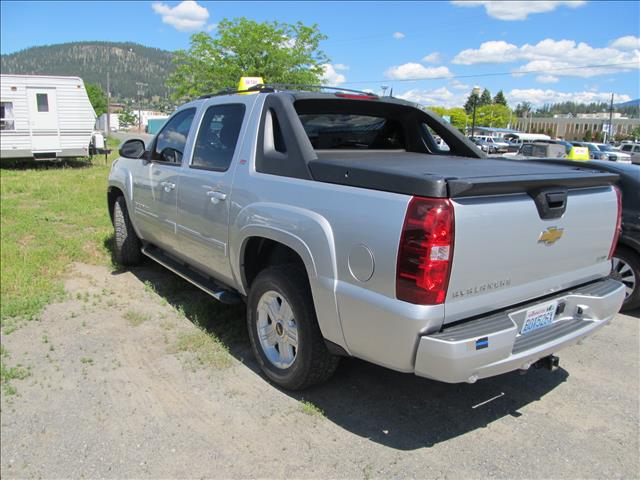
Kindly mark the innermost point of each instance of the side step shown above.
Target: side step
(204, 283)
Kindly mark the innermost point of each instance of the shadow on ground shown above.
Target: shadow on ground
(398, 410)
(31, 164)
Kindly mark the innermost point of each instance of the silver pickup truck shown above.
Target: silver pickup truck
(348, 231)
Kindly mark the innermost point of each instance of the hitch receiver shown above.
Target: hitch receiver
(550, 362)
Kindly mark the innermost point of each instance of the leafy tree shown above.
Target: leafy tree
(277, 52)
(127, 118)
(458, 116)
(472, 99)
(485, 98)
(97, 97)
(522, 109)
(493, 116)
(588, 136)
(500, 99)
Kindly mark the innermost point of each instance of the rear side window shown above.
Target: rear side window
(349, 131)
(218, 137)
(171, 141)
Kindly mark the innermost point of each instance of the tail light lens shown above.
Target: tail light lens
(425, 252)
(616, 233)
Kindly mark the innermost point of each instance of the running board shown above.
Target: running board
(203, 283)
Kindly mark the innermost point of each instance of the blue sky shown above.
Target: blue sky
(432, 52)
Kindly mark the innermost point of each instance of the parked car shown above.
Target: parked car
(633, 150)
(347, 231)
(613, 154)
(485, 146)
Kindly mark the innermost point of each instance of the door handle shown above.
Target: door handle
(216, 197)
(168, 186)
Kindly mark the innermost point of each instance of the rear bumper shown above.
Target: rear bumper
(454, 354)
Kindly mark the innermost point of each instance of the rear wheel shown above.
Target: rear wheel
(625, 267)
(284, 332)
(127, 245)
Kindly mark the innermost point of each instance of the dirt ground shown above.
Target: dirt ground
(119, 387)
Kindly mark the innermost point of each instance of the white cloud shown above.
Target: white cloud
(516, 10)
(340, 66)
(331, 77)
(436, 97)
(538, 96)
(398, 35)
(187, 16)
(557, 55)
(415, 71)
(460, 86)
(547, 79)
(432, 58)
(628, 42)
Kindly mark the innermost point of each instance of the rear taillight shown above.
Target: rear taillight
(616, 233)
(425, 252)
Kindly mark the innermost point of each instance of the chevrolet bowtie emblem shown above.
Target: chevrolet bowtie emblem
(551, 235)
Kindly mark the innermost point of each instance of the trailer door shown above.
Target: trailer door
(43, 120)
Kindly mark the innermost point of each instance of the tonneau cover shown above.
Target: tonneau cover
(446, 175)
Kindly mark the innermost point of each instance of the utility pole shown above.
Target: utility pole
(610, 132)
(140, 92)
(108, 106)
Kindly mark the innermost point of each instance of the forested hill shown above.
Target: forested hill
(127, 63)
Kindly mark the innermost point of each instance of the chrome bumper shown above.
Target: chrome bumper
(491, 345)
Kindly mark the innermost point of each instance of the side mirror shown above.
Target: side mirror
(132, 148)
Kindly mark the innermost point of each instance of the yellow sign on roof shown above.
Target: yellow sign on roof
(247, 82)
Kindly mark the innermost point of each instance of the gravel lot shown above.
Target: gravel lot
(109, 396)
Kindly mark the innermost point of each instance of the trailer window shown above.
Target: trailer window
(42, 99)
(6, 116)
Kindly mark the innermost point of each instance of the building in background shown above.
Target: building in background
(575, 128)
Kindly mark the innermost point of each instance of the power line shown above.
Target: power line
(494, 74)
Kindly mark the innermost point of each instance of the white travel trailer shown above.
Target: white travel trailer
(44, 117)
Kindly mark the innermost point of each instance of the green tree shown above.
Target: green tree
(522, 109)
(97, 97)
(472, 99)
(485, 98)
(127, 118)
(588, 136)
(500, 99)
(277, 52)
(458, 116)
(493, 116)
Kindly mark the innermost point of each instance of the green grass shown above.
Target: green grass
(136, 318)
(310, 409)
(50, 217)
(10, 373)
(208, 350)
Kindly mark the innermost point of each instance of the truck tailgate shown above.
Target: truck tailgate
(505, 253)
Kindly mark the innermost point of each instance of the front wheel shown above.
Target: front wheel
(127, 245)
(625, 267)
(284, 332)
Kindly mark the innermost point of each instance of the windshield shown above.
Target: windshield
(605, 148)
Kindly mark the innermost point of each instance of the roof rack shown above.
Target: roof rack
(274, 87)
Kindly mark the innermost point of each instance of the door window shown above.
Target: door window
(6, 116)
(218, 137)
(171, 141)
(42, 100)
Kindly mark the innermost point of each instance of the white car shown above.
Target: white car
(633, 150)
(613, 154)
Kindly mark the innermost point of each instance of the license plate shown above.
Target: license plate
(538, 317)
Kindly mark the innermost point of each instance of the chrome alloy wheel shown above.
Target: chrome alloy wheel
(622, 271)
(277, 329)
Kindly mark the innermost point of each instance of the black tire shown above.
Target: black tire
(631, 258)
(127, 245)
(313, 363)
